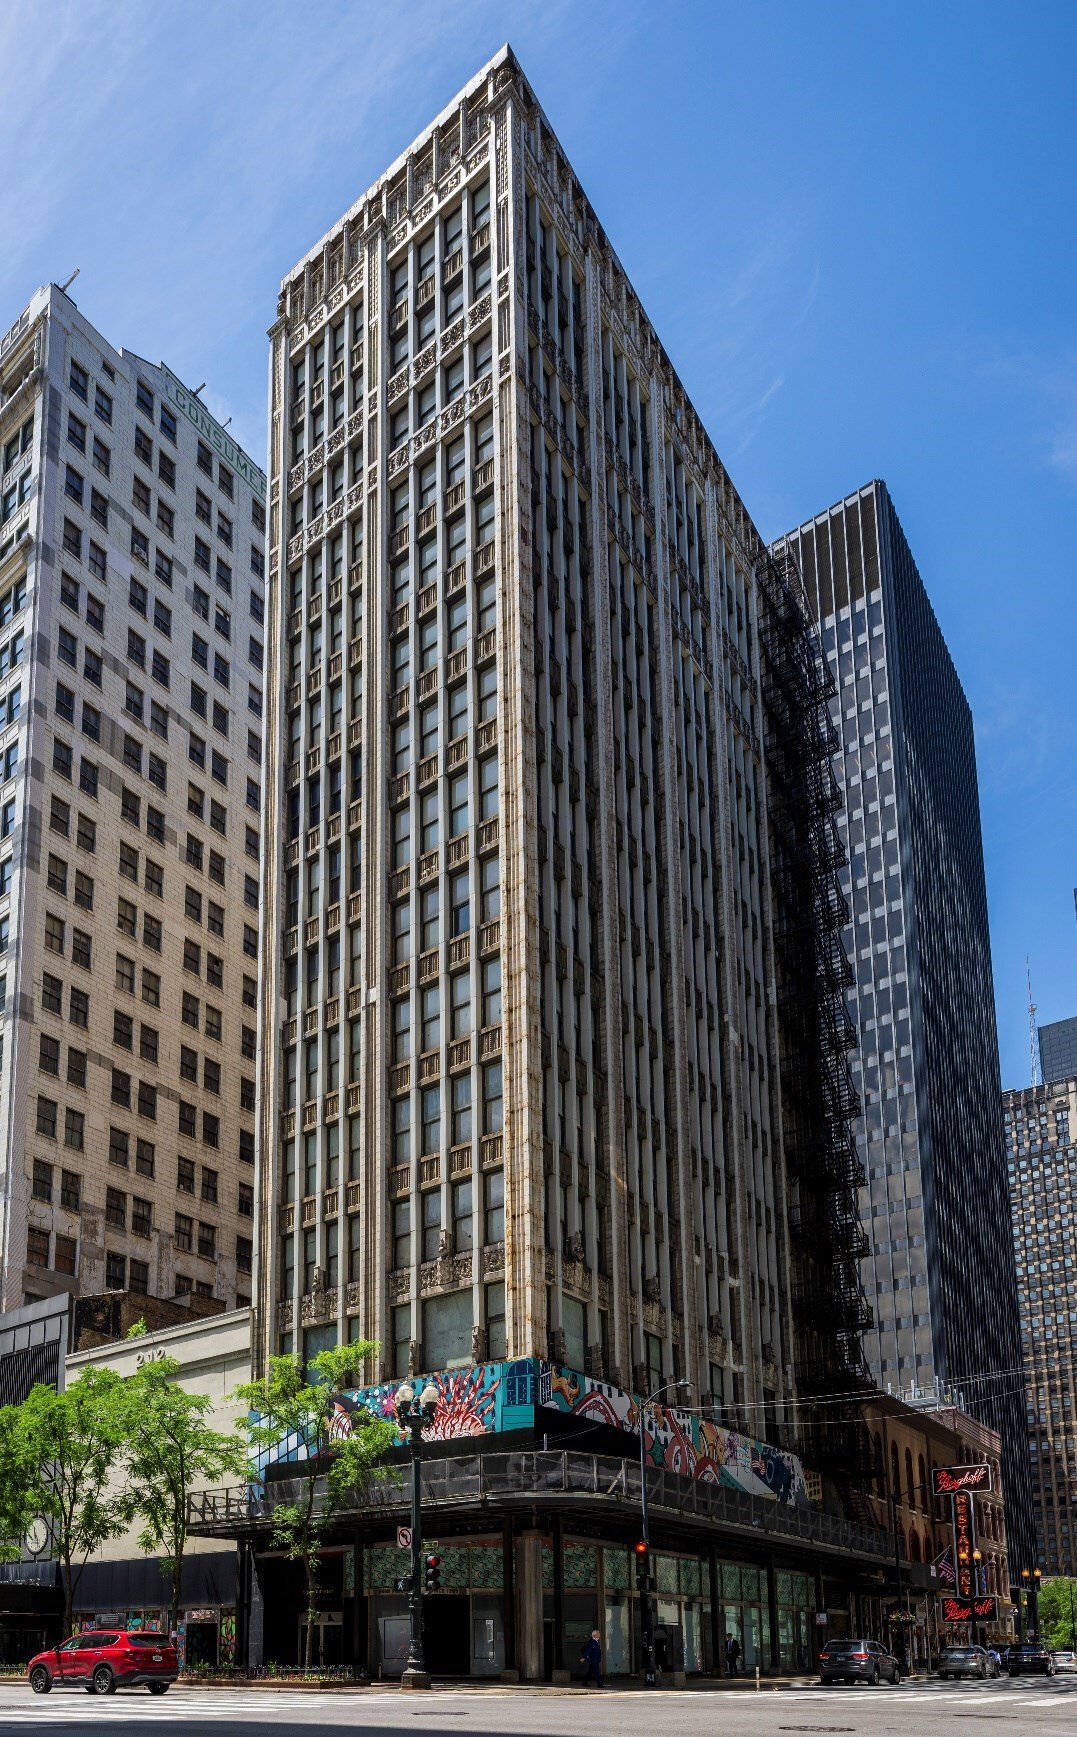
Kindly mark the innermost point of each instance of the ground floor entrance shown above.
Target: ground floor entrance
(525, 1599)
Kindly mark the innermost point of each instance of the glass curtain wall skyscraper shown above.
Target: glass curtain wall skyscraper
(939, 1268)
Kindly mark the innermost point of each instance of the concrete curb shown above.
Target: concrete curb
(454, 1686)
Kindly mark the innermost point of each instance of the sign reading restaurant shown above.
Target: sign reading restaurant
(211, 431)
(947, 1480)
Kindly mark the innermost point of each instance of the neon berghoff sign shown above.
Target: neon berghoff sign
(233, 455)
(947, 1480)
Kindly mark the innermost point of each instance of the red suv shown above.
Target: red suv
(103, 1660)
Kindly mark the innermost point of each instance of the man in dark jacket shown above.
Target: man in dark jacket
(591, 1656)
(732, 1653)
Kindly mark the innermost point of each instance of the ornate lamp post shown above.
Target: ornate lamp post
(646, 1608)
(977, 1557)
(412, 1412)
(1034, 1606)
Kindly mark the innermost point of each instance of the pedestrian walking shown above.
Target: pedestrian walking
(732, 1655)
(591, 1656)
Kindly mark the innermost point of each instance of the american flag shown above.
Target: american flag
(946, 1568)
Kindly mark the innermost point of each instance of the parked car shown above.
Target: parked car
(1064, 1661)
(857, 1661)
(102, 1661)
(967, 1662)
(1030, 1656)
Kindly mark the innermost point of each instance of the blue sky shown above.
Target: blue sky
(852, 225)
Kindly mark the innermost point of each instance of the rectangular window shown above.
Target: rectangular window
(494, 1206)
(37, 1247)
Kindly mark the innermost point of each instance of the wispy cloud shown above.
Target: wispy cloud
(746, 319)
(1042, 389)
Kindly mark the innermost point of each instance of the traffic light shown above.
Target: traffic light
(403, 1583)
(643, 1563)
(432, 1577)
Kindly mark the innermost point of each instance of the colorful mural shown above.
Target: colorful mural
(493, 1398)
(677, 1440)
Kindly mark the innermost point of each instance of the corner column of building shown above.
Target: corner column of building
(560, 1674)
(511, 1673)
(772, 1612)
(716, 1623)
(359, 1620)
(528, 1623)
(254, 1651)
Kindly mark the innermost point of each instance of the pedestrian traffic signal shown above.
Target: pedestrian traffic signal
(432, 1577)
(403, 1583)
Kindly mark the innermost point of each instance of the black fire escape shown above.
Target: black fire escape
(814, 1031)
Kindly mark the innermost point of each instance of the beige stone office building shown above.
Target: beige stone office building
(523, 974)
(131, 605)
(1041, 1149)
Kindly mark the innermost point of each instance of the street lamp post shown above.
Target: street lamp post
(1030, 1583)
(1022, 1605)
(646, 1609)
(897, 1628)
(413, 1411)
(977, 1557)
(1073, 1624)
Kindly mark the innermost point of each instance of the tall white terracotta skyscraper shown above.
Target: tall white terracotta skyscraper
(533, 685)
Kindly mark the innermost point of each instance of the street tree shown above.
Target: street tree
(16, 1485)
(172, 1448)
(338, 1449)
(60, 1452)
(1057, 1612)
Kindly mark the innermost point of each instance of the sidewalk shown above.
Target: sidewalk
(492, 1686)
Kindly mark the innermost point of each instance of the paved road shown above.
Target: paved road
(915, 1709)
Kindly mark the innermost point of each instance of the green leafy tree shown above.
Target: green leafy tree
(288, 1401)
(171, 1448)
(17, 1478)
(1057, 1606)
(59, 1451)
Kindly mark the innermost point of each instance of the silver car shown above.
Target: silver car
(967, 1662)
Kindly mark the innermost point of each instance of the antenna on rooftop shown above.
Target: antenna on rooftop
(225, 424)
(198, 389)
(1033, 1041)
(71, 279)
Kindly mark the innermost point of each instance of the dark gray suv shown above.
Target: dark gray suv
(857, 1661)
